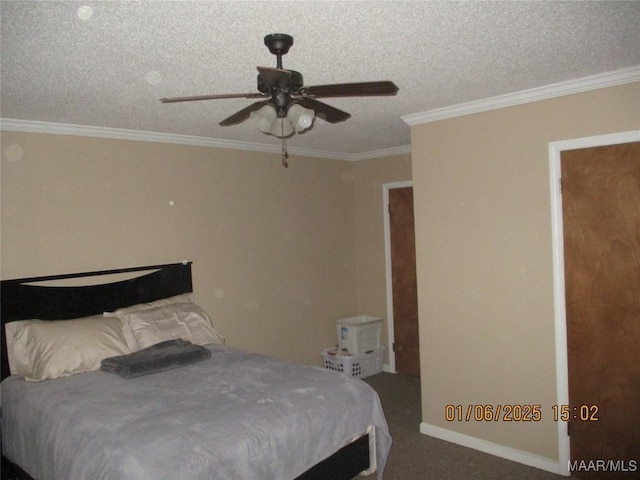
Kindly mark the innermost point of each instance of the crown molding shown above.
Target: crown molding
(594, 82)
(30, 126)
(608, 79)
(387, 152)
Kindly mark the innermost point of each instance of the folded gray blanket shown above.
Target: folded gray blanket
(157, 358)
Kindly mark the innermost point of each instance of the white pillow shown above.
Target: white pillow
(128, 335)
(182, 298)
(167, 322)
(43, 349)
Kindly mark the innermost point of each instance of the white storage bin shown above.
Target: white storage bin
(359, 334)
(359, 366)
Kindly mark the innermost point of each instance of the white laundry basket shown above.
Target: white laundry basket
(359, 334)
(360, 366)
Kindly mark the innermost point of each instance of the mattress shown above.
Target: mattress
(236, 415)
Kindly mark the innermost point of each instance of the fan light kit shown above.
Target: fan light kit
(288, 106)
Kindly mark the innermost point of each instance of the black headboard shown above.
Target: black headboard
(21, 300)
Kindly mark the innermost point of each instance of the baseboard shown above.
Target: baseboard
(386, 368)
(491, 448)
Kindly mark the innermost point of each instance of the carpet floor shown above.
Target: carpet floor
(415, 456)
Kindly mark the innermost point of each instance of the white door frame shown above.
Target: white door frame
(391, 367)
(562, 371)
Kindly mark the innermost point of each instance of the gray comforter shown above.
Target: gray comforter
(234, 416)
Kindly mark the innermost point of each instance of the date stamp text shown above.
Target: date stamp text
(518, 413)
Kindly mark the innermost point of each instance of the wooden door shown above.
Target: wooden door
(601, 214)
(403, 278)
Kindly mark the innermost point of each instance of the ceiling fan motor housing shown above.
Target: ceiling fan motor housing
(296, 83)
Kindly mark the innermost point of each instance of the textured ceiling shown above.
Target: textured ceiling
(106, 64)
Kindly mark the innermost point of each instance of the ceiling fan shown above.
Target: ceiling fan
(286, 105)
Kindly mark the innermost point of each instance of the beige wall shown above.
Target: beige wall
(483, 230)
(370, 176)
(274, 249)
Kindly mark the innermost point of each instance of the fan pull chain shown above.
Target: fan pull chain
(285, 154)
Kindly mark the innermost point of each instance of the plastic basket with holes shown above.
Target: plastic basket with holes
(360, 366)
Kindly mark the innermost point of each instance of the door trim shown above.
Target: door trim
(557, 233)
(391, 367)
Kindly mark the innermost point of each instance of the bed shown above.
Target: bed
(231, 414)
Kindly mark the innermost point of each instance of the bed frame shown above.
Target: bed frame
(27, 298)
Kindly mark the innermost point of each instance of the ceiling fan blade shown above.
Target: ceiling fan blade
(324, 111)
(362, 89)
(275, 77)
(243, 114)
(212, 97)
